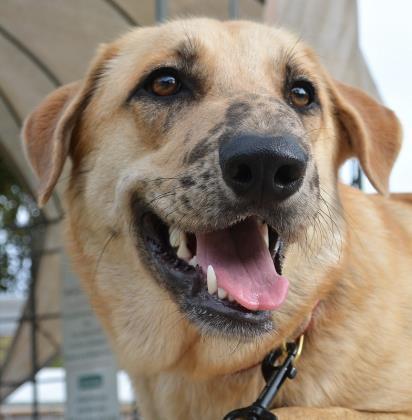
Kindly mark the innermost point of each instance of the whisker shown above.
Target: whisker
(105, 245)
(163, 195)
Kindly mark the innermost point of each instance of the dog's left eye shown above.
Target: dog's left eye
(164, 83)
(301, 94)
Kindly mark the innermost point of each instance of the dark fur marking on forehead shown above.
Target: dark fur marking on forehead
(187, 52)
(188, 55)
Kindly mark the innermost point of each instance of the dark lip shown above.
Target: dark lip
(187, 284)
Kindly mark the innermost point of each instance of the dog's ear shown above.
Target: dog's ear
(369, 131)
(47, 131)
(46, 135)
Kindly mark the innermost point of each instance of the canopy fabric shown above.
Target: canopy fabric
(331, 28)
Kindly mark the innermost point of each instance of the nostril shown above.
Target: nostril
(242, 174)
(287, 175)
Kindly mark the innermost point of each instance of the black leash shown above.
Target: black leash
(274, 376)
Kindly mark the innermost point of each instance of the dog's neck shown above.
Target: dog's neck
(215, 396)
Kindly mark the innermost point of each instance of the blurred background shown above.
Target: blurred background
(54, 358)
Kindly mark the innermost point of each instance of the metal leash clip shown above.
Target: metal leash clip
(274, 376)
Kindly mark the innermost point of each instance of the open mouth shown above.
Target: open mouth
(227, 281)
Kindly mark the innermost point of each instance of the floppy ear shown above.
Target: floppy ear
(47, 131)
(369, 131)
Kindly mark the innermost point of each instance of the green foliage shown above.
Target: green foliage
(18, 212)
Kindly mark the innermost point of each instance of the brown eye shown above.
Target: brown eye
(301, 94)
(165, 85)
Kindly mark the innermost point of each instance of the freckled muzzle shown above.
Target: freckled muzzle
(220, 253)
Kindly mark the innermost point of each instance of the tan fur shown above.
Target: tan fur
(349, 251)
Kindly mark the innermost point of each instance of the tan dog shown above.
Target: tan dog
(223, 140)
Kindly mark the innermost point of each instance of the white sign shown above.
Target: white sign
(91, 372)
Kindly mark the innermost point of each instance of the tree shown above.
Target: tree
(18, 216)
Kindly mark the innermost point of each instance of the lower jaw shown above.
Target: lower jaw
(187, 285)
(214, 318)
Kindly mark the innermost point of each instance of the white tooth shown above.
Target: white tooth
(183, 251)
(193, 261)
(265, 233)
(221, 293)
(277, 245)
(211, 280)
(174, 236)
(231, 298)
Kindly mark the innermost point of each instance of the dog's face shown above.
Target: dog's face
(202, 201)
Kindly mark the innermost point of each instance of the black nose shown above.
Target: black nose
(263, 169)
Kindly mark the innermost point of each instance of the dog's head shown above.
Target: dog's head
(203, 195)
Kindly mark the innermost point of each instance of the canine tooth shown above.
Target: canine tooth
(174, 236)
(264, 230)
(193, 261)
(211, 280)
(221, 293)
(183, 251)
(230, 298)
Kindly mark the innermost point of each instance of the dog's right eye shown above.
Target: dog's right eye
(164, 82)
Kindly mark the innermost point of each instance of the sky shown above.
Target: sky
(385, 30)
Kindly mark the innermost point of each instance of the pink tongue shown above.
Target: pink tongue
(243, 265)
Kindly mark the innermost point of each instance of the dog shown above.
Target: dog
(207, 224)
